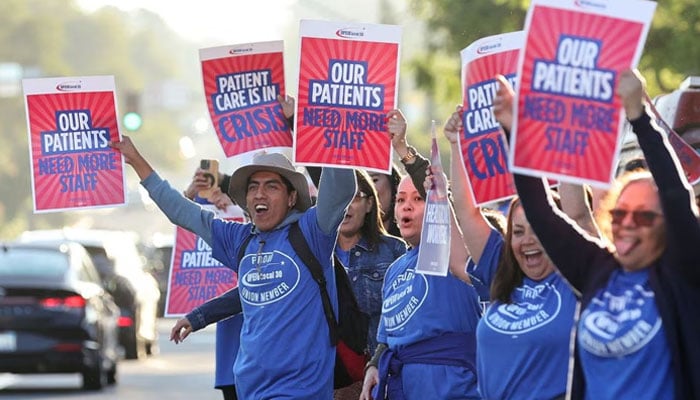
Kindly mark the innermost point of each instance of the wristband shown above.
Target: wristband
(411, 154)
(374, 361)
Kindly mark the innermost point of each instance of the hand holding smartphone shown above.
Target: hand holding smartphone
(211, 173)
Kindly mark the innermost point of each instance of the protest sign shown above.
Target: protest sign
(70, 122)
(241, 85)
(482, 143)
(348, 82)
(434, 249)
(687, 155)
(679, 113)
(569, 121)
(195, 276)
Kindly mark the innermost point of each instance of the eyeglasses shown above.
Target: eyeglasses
(640, 218)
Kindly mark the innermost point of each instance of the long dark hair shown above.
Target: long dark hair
(509, 275)
(394, 180)
(372, 227)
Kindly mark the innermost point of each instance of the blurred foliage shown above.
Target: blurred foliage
(672, 52)
(56, 38)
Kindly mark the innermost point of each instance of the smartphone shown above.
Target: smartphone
(211, 172)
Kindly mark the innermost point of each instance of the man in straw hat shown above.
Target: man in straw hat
(284, 350)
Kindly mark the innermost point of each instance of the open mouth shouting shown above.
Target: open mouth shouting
(260, 209)
(533, 257)
(405, 222)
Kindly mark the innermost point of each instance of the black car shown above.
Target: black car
(55, 317)
(121, 269)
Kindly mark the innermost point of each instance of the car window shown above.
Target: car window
(15, 262)
(103, 264)
(88, 272)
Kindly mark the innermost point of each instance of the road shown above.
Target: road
(185, 371)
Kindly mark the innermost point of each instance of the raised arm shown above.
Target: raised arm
(336, 189)
(416, 165)
(575, 204)
(475, 228)
(682, 229)
(132, 157)
(459, 254)
(179, 210)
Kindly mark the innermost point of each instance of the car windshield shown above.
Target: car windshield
(16, 262)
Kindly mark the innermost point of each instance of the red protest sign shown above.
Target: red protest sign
(569, 120)
(71, 121)
(195, 276)
(483, 146)
(241, 85)
(348, 79)
(689, 158)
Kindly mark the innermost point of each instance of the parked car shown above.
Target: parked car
(55, 316)
(121, 269)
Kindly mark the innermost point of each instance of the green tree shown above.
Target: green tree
(672, 50)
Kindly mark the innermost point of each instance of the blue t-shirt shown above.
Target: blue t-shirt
(622, 344)
(277, 293)
(417, 307)
(228, 333)
(523, 347)
(482, 273)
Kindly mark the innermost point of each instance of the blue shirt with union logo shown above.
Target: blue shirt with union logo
(417, 307)
(277, 293)
(622, 341)
(523, 347)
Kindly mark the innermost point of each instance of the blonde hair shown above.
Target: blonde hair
(602, 214)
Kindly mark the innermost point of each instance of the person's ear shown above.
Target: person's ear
(292, 199)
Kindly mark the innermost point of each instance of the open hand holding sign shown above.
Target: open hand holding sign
(503, 103)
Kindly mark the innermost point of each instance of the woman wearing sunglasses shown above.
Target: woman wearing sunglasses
(638, 332)
(523, 339)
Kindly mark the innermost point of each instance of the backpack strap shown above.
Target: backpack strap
(241, 250)
(301, 247)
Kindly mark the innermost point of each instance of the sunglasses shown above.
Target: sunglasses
(640, 218)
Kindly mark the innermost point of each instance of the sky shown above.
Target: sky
(215, 22)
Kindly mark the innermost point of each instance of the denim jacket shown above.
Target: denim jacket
(366, 269)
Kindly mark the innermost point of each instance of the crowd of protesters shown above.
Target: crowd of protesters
(636, 335)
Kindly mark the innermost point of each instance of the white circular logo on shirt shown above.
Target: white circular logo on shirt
(532, 308)
(273, 276)
(404, 296)
(618, 325)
